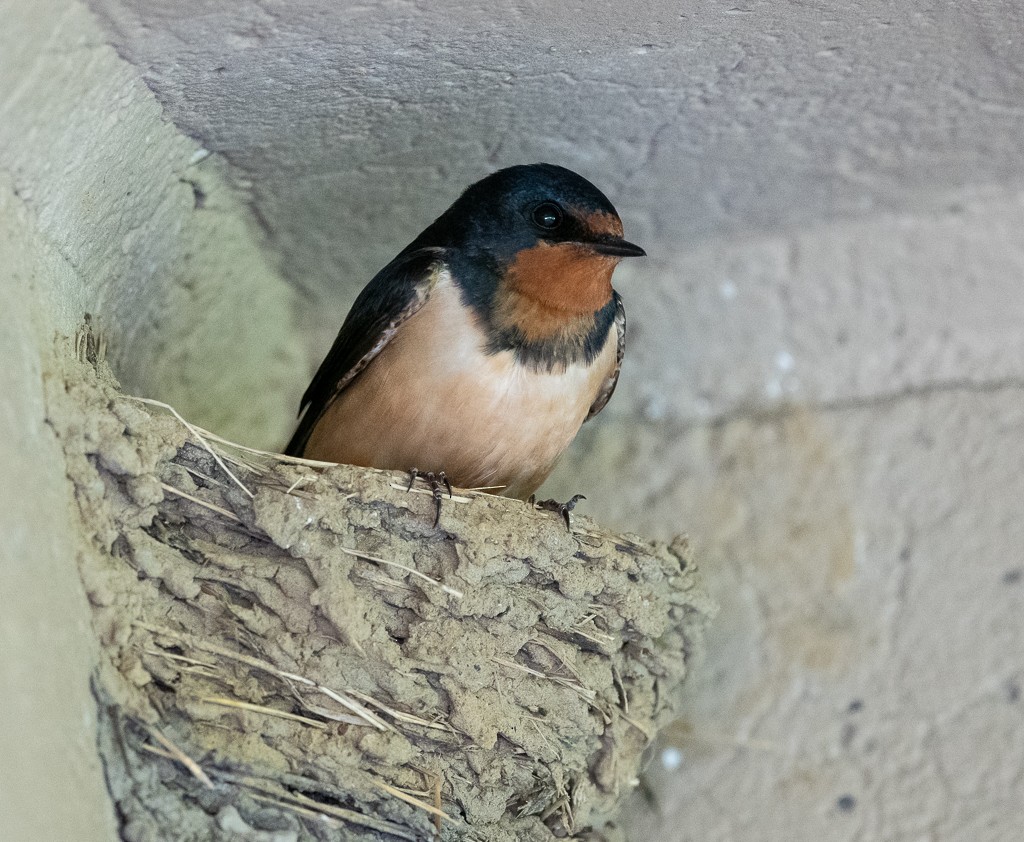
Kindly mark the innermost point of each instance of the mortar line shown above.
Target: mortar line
(857, 402)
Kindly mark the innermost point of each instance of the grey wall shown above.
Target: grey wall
(98, 214)
(824, 378)
(355, 124)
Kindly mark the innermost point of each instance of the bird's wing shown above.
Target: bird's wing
(605, 393)
(396, 293)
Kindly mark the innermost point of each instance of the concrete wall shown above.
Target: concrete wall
(865, 672)
(106, 209)
(51, 785)
(162, 250)
(824, 378)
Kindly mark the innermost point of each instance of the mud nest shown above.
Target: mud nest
(290, 651)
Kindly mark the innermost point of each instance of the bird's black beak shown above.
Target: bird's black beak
(616, 247)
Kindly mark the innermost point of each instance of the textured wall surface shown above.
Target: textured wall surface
(825, 378)
(51, 784)
(161, 250)
(355, 124)
(99, 213)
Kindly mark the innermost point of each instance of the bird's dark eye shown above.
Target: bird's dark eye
(547, 215)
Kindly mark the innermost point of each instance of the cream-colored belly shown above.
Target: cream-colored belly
(434, 401)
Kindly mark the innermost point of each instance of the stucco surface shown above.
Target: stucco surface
(859, 505)
(863, 680)
(51, 784)
(161, 251)
(357, 123)
(824, 382)
(97, 216)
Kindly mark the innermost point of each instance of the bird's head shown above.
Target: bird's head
(521, 207)
(548, 236)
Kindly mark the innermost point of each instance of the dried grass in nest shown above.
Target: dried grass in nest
(305, 654)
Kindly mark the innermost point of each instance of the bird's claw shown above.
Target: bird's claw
(435, 481)
(563, 509)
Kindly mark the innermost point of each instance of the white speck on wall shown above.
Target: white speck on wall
(671, 758)
(784, 383)
(655, 408)
(728, 290)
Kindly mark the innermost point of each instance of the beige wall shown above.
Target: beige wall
(98, 215)
(864, 675)
(51, 784)
(824, 378)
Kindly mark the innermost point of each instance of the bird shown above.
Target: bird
(474, 357)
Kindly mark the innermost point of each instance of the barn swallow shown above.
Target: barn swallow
(474, 356)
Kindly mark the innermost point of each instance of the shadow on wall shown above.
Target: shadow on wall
(162, 251)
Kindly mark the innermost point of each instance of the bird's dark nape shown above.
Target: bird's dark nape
(493, 204)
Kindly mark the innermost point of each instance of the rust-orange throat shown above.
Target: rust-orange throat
(554, 288)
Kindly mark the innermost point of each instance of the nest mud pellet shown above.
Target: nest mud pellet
(294, 652)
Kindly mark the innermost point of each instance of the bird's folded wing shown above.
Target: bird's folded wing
(396, 293)
(605, 394)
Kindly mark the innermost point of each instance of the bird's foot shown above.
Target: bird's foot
(436, 482)
(562, 508)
